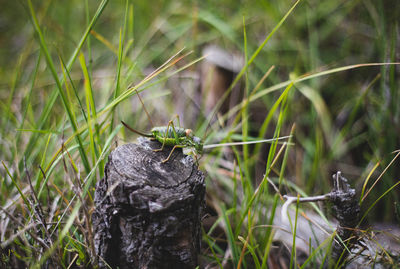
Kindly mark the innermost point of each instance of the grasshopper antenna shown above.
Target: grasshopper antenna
(144, 108)
(135, 131)
(148, 116)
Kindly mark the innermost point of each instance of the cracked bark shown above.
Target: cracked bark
(346, 211)
(148, 213)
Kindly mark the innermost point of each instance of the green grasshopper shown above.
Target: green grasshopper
(184, 138)
(173, 136)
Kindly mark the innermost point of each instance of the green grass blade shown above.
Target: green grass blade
(364, 187)
(380, 176)
(328, 241)
(255, 54)
(249, 62)
(90, 107)
(305, 77)
(75, 210)
(16, 185)
(88, 42)
(64, 100)
(245, 110)
(252, 252)
(294, 231)
(212, 247)
(377, 200)
(53, 96)
(67, 78)
(271, 112)
(219, 24)
(269, 232)
(28, 97)
(230, 236)
(122, 35)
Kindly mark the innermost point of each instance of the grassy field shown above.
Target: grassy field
(324, 72)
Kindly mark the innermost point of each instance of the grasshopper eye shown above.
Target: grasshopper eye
(189, 132)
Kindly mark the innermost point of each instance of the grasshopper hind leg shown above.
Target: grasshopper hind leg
(165, 137)
(160, 149)
(170, 153)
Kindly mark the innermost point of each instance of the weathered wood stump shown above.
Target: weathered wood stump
(148, 213)
(345, 209)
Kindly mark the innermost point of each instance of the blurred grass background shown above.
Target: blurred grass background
(346, 121)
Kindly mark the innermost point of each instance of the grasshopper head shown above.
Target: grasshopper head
(194, 141)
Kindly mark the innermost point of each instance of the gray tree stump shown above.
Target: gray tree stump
(148, 213)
